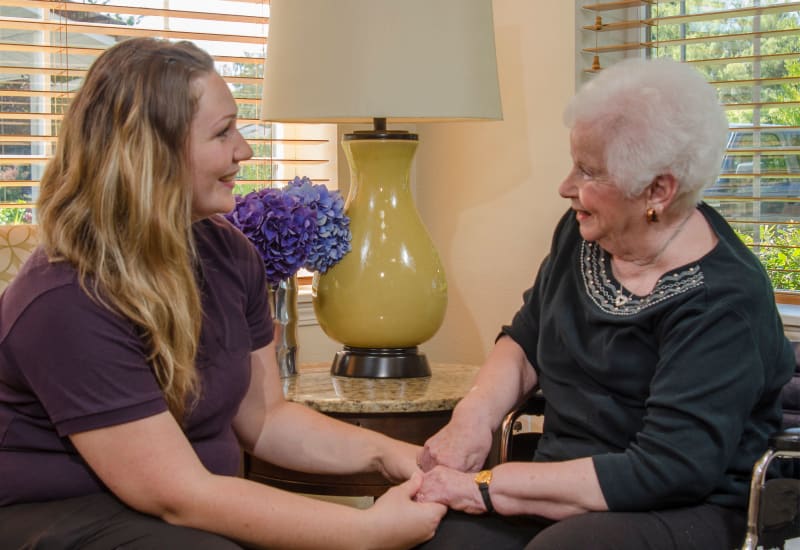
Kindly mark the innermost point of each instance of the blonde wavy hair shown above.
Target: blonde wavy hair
(115, 201)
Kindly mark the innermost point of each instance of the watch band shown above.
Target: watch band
(483, 479)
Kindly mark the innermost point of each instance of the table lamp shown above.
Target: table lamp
(381, 62)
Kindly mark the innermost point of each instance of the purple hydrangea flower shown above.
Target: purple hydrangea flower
(333, 235)
(280, 226)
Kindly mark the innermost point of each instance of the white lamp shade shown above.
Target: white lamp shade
(403, 60)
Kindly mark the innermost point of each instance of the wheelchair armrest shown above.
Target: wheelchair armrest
(782, 444)
(787, 439)
(533, 405)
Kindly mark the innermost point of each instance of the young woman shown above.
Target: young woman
(135, 345)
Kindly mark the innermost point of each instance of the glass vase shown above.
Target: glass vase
(283, 307)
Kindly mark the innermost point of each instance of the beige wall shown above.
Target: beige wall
(487, 191)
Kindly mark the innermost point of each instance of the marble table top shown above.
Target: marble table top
(315, 387)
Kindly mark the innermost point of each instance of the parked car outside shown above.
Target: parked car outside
(776, 182)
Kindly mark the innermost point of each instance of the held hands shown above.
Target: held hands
(461, 446)
(450, 459)
(455, 489)
(399, 461)
(397, 521)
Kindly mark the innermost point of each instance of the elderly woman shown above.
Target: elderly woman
(653, 333)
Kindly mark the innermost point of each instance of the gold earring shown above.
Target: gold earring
(652, 215)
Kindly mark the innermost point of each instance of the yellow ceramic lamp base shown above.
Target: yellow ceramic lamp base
(390, 291)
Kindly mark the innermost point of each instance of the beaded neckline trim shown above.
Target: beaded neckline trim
(612, 298)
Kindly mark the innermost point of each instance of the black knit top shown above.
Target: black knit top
(673, 394)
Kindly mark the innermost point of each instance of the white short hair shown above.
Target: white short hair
(658, 116)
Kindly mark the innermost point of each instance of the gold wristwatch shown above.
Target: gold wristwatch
(483, 479)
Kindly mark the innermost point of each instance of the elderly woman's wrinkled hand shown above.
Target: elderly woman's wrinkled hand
(455, 489)
(458, 446)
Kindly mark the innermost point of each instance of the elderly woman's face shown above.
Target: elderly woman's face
(601, 208)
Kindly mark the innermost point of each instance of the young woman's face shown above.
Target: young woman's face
(603, 211)
(215, 148)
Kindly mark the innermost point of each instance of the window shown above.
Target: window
(750, 51)
(46, 47)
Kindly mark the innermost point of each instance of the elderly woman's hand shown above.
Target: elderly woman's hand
(455, 489)
(459, 445)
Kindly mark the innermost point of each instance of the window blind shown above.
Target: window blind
(46, 47)
(750, 51)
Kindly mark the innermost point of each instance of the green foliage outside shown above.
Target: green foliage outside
(779, 251)
(14, 216)
(735, 48)
(245, 188)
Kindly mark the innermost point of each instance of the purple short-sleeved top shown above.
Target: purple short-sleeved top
(69, 365)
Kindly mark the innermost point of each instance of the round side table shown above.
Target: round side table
(410, 409)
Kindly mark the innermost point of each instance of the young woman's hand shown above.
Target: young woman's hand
(396, 521)
(398, 460)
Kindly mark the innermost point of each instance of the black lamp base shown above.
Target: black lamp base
(380, 363)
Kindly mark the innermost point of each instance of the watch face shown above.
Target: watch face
(484, 476)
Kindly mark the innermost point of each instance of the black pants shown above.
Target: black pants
(96, 522)
(705, 527)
